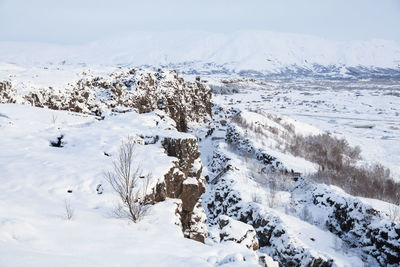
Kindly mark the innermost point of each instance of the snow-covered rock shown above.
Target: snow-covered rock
(184, 181)
(236, 137)
(7, 94)
(352, 220)
(137, 89)
(236, 231)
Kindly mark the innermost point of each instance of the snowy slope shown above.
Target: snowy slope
(35, 177)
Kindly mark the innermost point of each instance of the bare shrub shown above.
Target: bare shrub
(239, 120)
(277, 180)
(272, 194)
(255, 197)
(394, 213)
(54, 118)
(284, 181)
(367, 181)
(68, 212)
(273, 130)
(336, 160)
(325, 150)
(128, 183)
(306, 215)
(257, 128)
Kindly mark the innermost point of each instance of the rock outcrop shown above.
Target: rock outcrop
(137, 89)
(271, 232)
(238, 232)
(355, 222)
(235, 137)
(184, 181)
(7, 94)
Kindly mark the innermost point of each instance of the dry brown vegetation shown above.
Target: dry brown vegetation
(337, 165)
(372, 181)
(329, 152)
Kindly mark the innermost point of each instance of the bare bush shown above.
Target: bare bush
(275, 181)
(68, 212)
(325, 150)
(54, 118)
(256, 198)
(394, 213)
(337, 165)
(367, 181)
(272, 194)
(306, 215)
(290, 208)
(128, 183)
(287, 126)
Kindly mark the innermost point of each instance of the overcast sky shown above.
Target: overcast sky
(79, 21)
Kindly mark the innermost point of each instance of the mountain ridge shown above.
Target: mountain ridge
(260, 51)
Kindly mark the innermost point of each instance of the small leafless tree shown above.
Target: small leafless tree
(255, 197)
(272, 194)
(53, 118)
(129, 183)
(306, 215)
(394, 213)
(69, 212)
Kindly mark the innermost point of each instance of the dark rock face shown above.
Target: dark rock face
(81, 99)
(184, 181)
(136, 89)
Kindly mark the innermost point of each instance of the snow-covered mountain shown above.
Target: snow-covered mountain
(246, 53)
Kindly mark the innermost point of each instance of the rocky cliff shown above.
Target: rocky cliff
(184, 181)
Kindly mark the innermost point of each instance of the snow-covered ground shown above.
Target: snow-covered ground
(35, 177)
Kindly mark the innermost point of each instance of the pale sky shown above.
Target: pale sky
(80, 21)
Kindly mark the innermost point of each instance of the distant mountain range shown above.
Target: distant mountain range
(250, 53)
